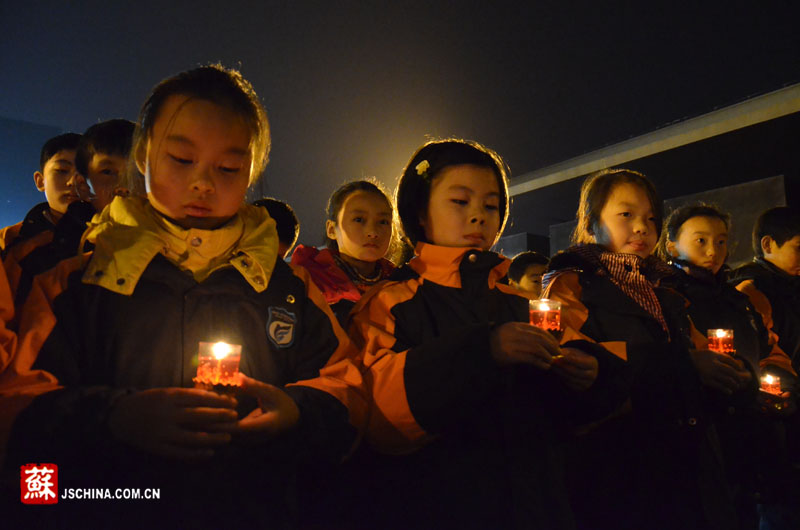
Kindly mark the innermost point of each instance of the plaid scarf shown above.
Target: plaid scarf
(633, 275)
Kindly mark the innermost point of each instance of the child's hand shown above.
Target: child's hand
(576, 368)
(173, 422)
(277, 412)
(519, 342)
(719, 371)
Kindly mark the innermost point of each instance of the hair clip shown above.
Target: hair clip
(422, 168)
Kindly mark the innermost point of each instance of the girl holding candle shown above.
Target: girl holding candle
(358, 235)
(464, 389)
(694, 242)
(118, 330)
(656, 455)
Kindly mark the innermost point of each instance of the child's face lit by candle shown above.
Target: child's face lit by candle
(199, 163)
(703, 242)
(627, 223)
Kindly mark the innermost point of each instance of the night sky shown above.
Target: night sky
(351, 91)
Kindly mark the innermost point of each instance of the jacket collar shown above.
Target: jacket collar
(443, 265)
(129, 233)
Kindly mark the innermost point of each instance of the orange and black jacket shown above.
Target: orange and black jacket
(474, 443)
(40, 246)
(776, 295)
(85, 345)
(714, 304)
(34, 223)
(658, 453)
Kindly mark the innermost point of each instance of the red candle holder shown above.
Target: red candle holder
(546, 314)
(217, 365)
(721, 341)
(771, 384)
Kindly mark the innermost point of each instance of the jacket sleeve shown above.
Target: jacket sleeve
(35, 408)
(611, 388)
(8, 339)
(777, 358)
(417, 390)
(330, 391)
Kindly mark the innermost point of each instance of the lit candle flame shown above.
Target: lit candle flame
(220, 350)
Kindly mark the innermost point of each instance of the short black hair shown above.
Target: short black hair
(68, 141)
(781, 224)
(285, 219)
(522, 261)
(112, 137)
(414, 188)
(676, 219)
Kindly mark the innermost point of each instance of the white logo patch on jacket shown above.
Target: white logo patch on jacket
(280, 327)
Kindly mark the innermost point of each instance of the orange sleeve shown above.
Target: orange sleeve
(777, 357)
(18, 252)
(8, 339)
(392, 427)
(19, 382)
(566, 288)
(341, 376)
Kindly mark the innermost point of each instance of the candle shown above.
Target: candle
(218, 363)
(721, 341)
(771, 384)
(546, 314)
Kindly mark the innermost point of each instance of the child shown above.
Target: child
(358, 235)
(695, 242)
(772, 282)
(461, 383)
(526, 270)
(189, 263)
(61, 184)
(102, 158)
(286, 223)
(655, 457)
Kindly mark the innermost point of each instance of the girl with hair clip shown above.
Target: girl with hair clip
(358, 235)
(694, 242)
(112, 337)
(464, 390)
(657, 455)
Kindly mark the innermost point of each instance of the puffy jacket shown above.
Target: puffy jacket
(659, 454)
(33, 253)
(473, 444)
(776, 295)
(125, 318)
(34, 223)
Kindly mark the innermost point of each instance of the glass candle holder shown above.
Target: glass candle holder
(546, 314)
(218, 363)
(721, 341)
(771, 384)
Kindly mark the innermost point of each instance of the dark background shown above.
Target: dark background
(351, 90)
